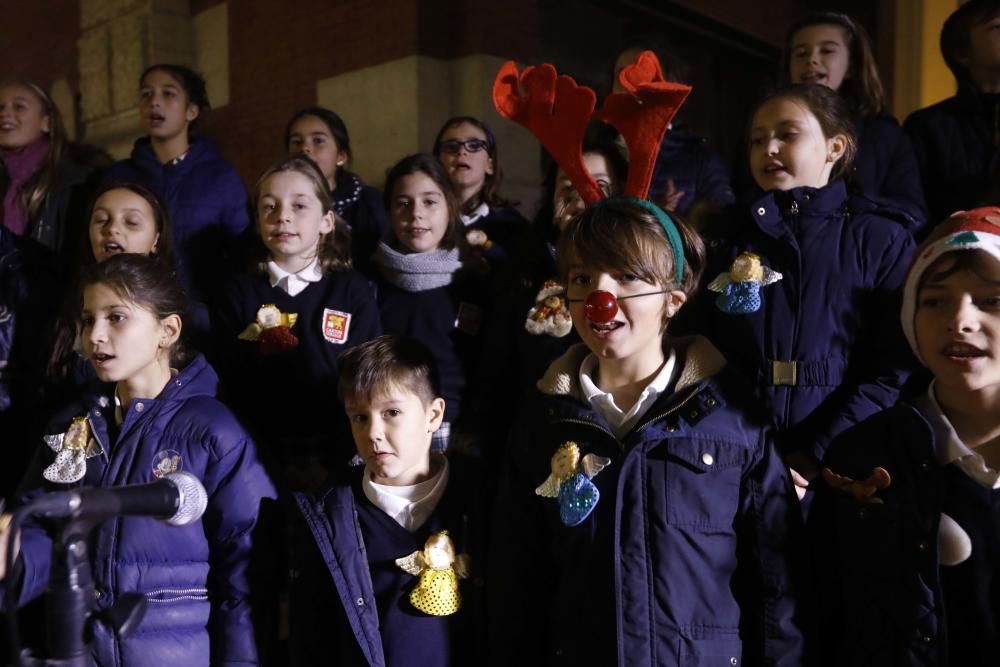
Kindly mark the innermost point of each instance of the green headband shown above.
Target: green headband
(673, 235)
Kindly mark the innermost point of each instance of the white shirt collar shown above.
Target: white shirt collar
(949, 448)
(481, 211)
(293, 283)
(409, 506)
(622, 422)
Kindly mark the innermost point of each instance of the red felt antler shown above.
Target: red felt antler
(556, 110)
(642, 115)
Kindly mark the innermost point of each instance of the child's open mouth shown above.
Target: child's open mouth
(813, 77)
(113, 248)
(962, 351)
(156, 119)
(101, 359)
(606, 328)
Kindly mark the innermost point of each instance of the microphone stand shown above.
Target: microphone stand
(70, 604)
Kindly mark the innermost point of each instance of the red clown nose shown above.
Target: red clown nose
(600, 307)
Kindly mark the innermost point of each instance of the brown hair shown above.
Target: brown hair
(956, 33)
(428, 165)
(146, 282)
(830, 110)
(862, 87)
(972, 261)
(373, 367)
(37, 188)
(621, 235)
(334, 250)
(490, 192)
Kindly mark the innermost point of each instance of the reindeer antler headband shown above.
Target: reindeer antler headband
(557, 110)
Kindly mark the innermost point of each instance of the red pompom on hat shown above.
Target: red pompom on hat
(978, 229)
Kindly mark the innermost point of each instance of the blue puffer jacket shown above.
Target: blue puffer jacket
(207, 203)
(885, 593)
(956, 149)
(196, 577)
(686, 558)
(834, 314)
(695, 170)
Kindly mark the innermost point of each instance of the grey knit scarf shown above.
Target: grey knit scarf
(417, 272)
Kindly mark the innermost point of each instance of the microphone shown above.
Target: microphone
(178, 498)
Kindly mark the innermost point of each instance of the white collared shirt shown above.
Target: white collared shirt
(949, 448)
(602, 401)
(409, 506)
(293, 283)
(481, 211)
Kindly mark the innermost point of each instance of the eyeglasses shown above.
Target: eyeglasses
(470, 146)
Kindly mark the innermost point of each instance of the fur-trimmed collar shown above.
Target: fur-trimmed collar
(700, 358)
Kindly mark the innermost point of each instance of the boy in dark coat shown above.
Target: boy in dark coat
(956, 140)
(909, 556)
(384, 560)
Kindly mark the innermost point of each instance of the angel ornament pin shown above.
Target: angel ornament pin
(550, 314)
(72, 449)
(273, 330)
(439, 569)
(740, 287)
(570, 483)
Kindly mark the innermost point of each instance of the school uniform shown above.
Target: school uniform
(823, 346)
(196, 578)
(912, 580)
(685, 557)
(503, 227)
(351, 603)
(446, 310)
(288, 397)
(363, 208)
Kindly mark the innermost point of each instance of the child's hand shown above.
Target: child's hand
(863, 491)
(4, 535)
(671, 197)
(800, 482)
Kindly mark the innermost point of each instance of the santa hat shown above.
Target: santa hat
(978, 229)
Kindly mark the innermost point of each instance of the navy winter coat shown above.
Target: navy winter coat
(955, 145)
(334, 612)
(887, 167)
(834, 313)
(686, 557)
(695, 170)
(885, 598)
(207, 203)
(196, 577)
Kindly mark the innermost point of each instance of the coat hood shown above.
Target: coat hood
(699, 361)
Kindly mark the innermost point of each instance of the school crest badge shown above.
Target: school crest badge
(166, 462)
(336, 325)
